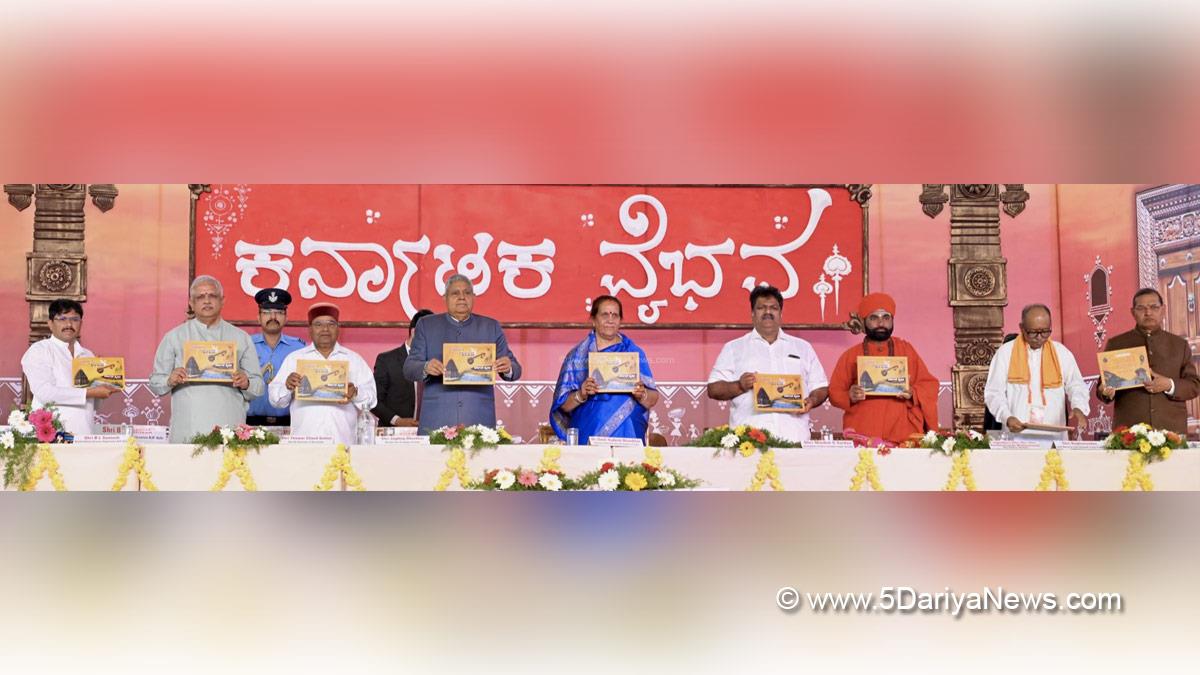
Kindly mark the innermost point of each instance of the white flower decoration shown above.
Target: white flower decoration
(665, 478)
(609, 480)
(260, 434)
(226, 434)
(974, 435)
(505, 479)
(551, 482)
(23, 427)
(1156, 438)
(930, 436)
(7, 440)
(15, 417)
(1140, 428)
(729, 441)
(490, 436)
(948, 445)
(468, 442)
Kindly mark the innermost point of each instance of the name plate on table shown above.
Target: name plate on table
(616, 442)
(1079, 445)
(1018, 445)
(147, 433)
(100, 438)
(407, 439)
(826, 445)
(306, 440)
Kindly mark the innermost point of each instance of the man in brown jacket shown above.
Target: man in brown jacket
(1161, 403)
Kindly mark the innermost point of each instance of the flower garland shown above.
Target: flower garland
(612, 476)
(242, 437)
(45, 463)
(523, 480)
(22, 441)
(550, 459)
(133, 460)
(455, 466)
(234, 463)
(961, 470)
(743, 440)
(339, 465)
(472, 439)
(1053, 472)
(1155, 444)
(767, 470)
(1136, 476)
(866, 471)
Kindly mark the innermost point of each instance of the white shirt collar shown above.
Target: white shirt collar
(755, 335)
(63, 344)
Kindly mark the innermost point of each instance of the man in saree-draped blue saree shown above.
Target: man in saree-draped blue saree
(578, 402)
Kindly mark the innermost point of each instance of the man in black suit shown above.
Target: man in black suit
(397, 395)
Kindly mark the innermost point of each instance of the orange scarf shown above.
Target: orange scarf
(1018, 367)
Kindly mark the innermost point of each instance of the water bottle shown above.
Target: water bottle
(366, 427)
(826, 434)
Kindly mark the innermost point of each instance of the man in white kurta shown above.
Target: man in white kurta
(768, 350)
(336, 420)
(196, 407)
(1016, 403)
(47, 368)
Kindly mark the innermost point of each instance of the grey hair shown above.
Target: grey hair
(206, 279)
(1027, 309)
(456, 278)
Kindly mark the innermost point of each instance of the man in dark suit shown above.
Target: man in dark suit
(1161, 402)
(397, 394)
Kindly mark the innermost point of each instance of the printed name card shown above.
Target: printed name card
(100, 438)
(1079, 445)
(306, 440)
(616, 442)
(826, 445)
(402, 440)
(151, 433)
(1018, 445)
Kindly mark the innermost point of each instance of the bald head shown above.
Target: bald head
(1035, 325)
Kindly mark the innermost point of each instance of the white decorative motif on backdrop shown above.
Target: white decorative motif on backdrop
(225, 207)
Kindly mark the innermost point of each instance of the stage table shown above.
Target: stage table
(415, 467)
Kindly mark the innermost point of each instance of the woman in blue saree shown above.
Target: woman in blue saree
(578, 402)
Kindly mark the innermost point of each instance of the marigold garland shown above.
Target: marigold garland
(767, 470)
(455, 466)
(133, 460)
(550, 459)
(234, 463)
(1053, 472)
(44, 463)
(1136, 476)
(961, 470)
(654, 457)
(339, 465)
(865, 471)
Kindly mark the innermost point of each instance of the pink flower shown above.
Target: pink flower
(45, 433)
(40, 418)
(244, 433)
(451, 433)
(527, 478)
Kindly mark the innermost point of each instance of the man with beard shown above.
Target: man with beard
(272, 346)
(1162, 402)
(1032, 379)
(47, 368)
(888, 418)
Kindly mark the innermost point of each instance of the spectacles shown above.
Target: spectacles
(1038, 333)
(69, 319)
(1146, 308)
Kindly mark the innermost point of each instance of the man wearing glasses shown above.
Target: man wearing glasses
(1032, 379)
(47, 368)
(335, 418)
(1162, 402)
(196, 407)
(273, 346)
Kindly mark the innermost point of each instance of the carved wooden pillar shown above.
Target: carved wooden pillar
(57, 265)
(977, 281)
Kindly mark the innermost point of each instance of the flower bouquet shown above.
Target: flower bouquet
(1154, 444)
(954, 443)
(472, 439)
(744, 440)
(524, 480)
(18, 445)
(241, 437)
(633, 477)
